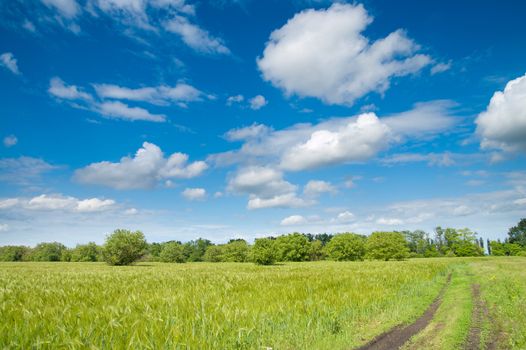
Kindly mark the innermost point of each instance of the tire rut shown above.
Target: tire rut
(399, 335)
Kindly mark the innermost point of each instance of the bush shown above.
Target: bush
(387, 246)
(214, 253)
(172, 252)
(263, 252)
(48, 252)
(235, 251)
(86, 252)
(346, 246)
(124, 247)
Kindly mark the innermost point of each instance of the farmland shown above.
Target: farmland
(306, 305)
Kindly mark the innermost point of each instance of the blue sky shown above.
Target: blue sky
(226, 119)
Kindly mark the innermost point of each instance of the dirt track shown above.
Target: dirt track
(473, 341)
(399, 335)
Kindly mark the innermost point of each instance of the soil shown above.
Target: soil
(399, 335)
(473, 341)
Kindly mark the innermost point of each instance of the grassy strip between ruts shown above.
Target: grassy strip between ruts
(503, 295)
(325, 305)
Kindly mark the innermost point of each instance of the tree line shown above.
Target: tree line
(124, 247)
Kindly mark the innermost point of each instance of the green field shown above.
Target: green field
(310, 305)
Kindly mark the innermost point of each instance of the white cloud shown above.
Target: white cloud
(314, 188)
(390, 221)
(10, 141)
(234, 99)
(194, 193)
(246, 133)
(433, 159)
(144, 170)
(23, 170)
(56, 202)
(8, 60)
(59, 89)
(440, 67)
(323, 54)
(502, 125)
(160, 95)
(195, 37)
(336, 140)
(266, 188)
(67, 8)
(119, 110)
(356, 141)
(293, 220)
(345, 217)
(258, 102)
(4, 227)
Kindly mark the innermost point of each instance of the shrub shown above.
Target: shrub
(346, 246)
(293, 247)
(124, 247)
(263, 252)
(172, 252)
(214, 253)
(387, 246)
(14, 253)
(235, 251)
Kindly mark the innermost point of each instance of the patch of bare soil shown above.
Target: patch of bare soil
(399, 335)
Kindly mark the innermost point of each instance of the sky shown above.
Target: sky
(241, 119)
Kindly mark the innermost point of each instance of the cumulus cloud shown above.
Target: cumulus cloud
(195, 37)
(144, 170)
(345, 216)
(10, 141)
(502, 125)
(314, 188)
(194, 193)
(60, 202)
(336, 140)
(293, 220)
(266, 188)
(8, 60)
(324, 54)
(258, 102)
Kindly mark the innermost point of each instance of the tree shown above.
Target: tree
(386, 246)
(504, 249)
(292, 247)
(86, 252)
(517, 234)
(124, 247)
(195, 250)
(417, 241)
(172, 252)
(263, 252)
(14, 253)
(235, 251)
(346, 246)
(48, 252)
(316, 250)
(214, 253)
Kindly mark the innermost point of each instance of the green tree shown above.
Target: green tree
(316, 250)
(517, 234)
(263, 252)
(505, 249)
(48, 252)
(386, 246)
(124, 247)
(292, 247)
(235, 251)
(172, 252)
(14, 253)
(86, 252)
(346, 246)
(195, 250)
(214, 253)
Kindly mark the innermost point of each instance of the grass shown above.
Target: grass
(314, 305)
(323, 305)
